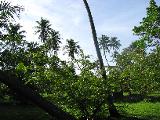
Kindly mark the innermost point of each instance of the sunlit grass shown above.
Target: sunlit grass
(145, 110)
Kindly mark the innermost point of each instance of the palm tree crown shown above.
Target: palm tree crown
(72, 48)
(43, 29)
(54, 41)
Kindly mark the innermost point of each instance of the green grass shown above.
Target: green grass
(10, 112)
(144, 110)
(155, 94)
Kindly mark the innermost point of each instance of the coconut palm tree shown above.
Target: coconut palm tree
(107, 44)
(112, 109)
(7, 12)
(12, 81)
(48, 36)
(12, 37)
(43, 29)
(14, 33)
(53, 41)
(72, 48)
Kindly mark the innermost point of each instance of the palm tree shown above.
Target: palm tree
(107, 44)
(54, 41)
(72, 48)
(7, 12)
(94, 34)
(112, 109)
(14, 33)
(12, 81)
(43, 29)
(13, 36)
(47, 35)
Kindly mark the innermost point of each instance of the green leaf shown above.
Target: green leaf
(21, 67)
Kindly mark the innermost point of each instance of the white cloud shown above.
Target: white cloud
(70, 18)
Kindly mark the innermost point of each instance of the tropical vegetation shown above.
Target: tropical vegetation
(34, 74)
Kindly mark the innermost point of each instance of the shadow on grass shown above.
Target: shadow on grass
(22, 112)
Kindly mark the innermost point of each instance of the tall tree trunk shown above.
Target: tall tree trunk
(94, 34)
(14, 83)
(112, 109)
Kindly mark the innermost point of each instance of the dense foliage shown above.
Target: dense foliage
(76, 84)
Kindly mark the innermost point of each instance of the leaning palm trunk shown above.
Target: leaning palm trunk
(112, 109)
(15, 84)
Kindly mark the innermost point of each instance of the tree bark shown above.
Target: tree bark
(112, 108)
(14, 84)
(94, 34)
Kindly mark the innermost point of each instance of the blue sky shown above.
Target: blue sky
(112, 18)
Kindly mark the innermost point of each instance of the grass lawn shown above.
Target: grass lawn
(11, 112)
(144, 110)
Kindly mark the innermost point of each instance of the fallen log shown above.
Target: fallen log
(17, 86)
